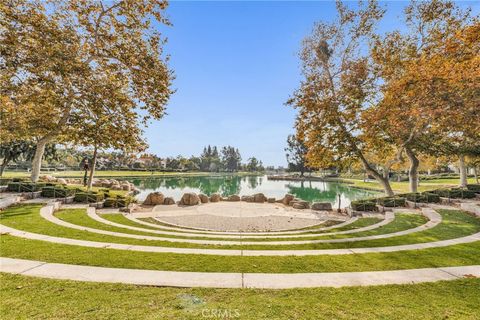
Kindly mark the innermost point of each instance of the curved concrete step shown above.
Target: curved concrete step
(48, 215)
(232, 280)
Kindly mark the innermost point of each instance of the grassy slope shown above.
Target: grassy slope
(26, 217)
(33, 298)
(39, 250)
(119, 218)
(454, 224)
(82, 220)
(116, 173)
(404, 185)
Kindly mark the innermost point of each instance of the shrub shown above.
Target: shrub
(117, 202)
(474, 187)
(364, 205)
(17, 186)
(13, 186)
(31, 186)
(56, 192)
(391, 201)
(88, 197)
(455, 193)
(425, 197)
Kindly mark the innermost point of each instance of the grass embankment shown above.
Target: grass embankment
(27, 298)
(455, 224)
(402, 187)
(465, 254)
(119, 218)
(120, 174)
(27, 218)
(402, 222)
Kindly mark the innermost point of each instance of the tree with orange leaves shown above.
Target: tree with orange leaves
(430, 83)
(338, 86)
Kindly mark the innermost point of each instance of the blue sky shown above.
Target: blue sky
(236, 64)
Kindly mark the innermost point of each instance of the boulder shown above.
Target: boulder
(203, 198)
(300, 204)
(271, 200)
(154, 199)
(189, 199)
(168, 201)
(259, 197)
(126, 187)
(215, 197)
(233, 197)
(62, 181)
(287, 199)
(247, 198)
(322, 206)
(48, 178)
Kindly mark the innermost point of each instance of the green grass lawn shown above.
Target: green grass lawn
(402, 187)
(119, 218)
(466, 254)
(402, 222)
(34, 298)
(116, 173)
(26, 217)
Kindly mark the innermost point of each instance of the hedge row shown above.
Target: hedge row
(455, 193)
(51, 190)
(422, 197)
(418, 197)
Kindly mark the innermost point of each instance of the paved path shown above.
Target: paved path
(233, 280)
(8, 199)
(389, 217)
(434, 217)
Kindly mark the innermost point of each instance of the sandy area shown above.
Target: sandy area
(243, 224)
(239, 216)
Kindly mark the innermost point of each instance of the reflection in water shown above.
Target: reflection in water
(246, 185)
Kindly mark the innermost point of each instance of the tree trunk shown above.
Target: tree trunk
(5, 162)
(475, 173)
(413, 170)
(92, 169)
(386, 173)
(463, 170)
(379, 177)
(37, 159)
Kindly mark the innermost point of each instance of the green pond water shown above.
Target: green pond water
(247, 185)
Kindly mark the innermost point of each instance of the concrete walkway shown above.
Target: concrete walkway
(389, 217)
(232, 280)
(8, 199)
(434, 217)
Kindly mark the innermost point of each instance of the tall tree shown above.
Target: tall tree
(231, 158)
(52, 52)
(338, 85)
(110, 122)
(19, 149)
(254, 165)
(296, 152)
(426, 80)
